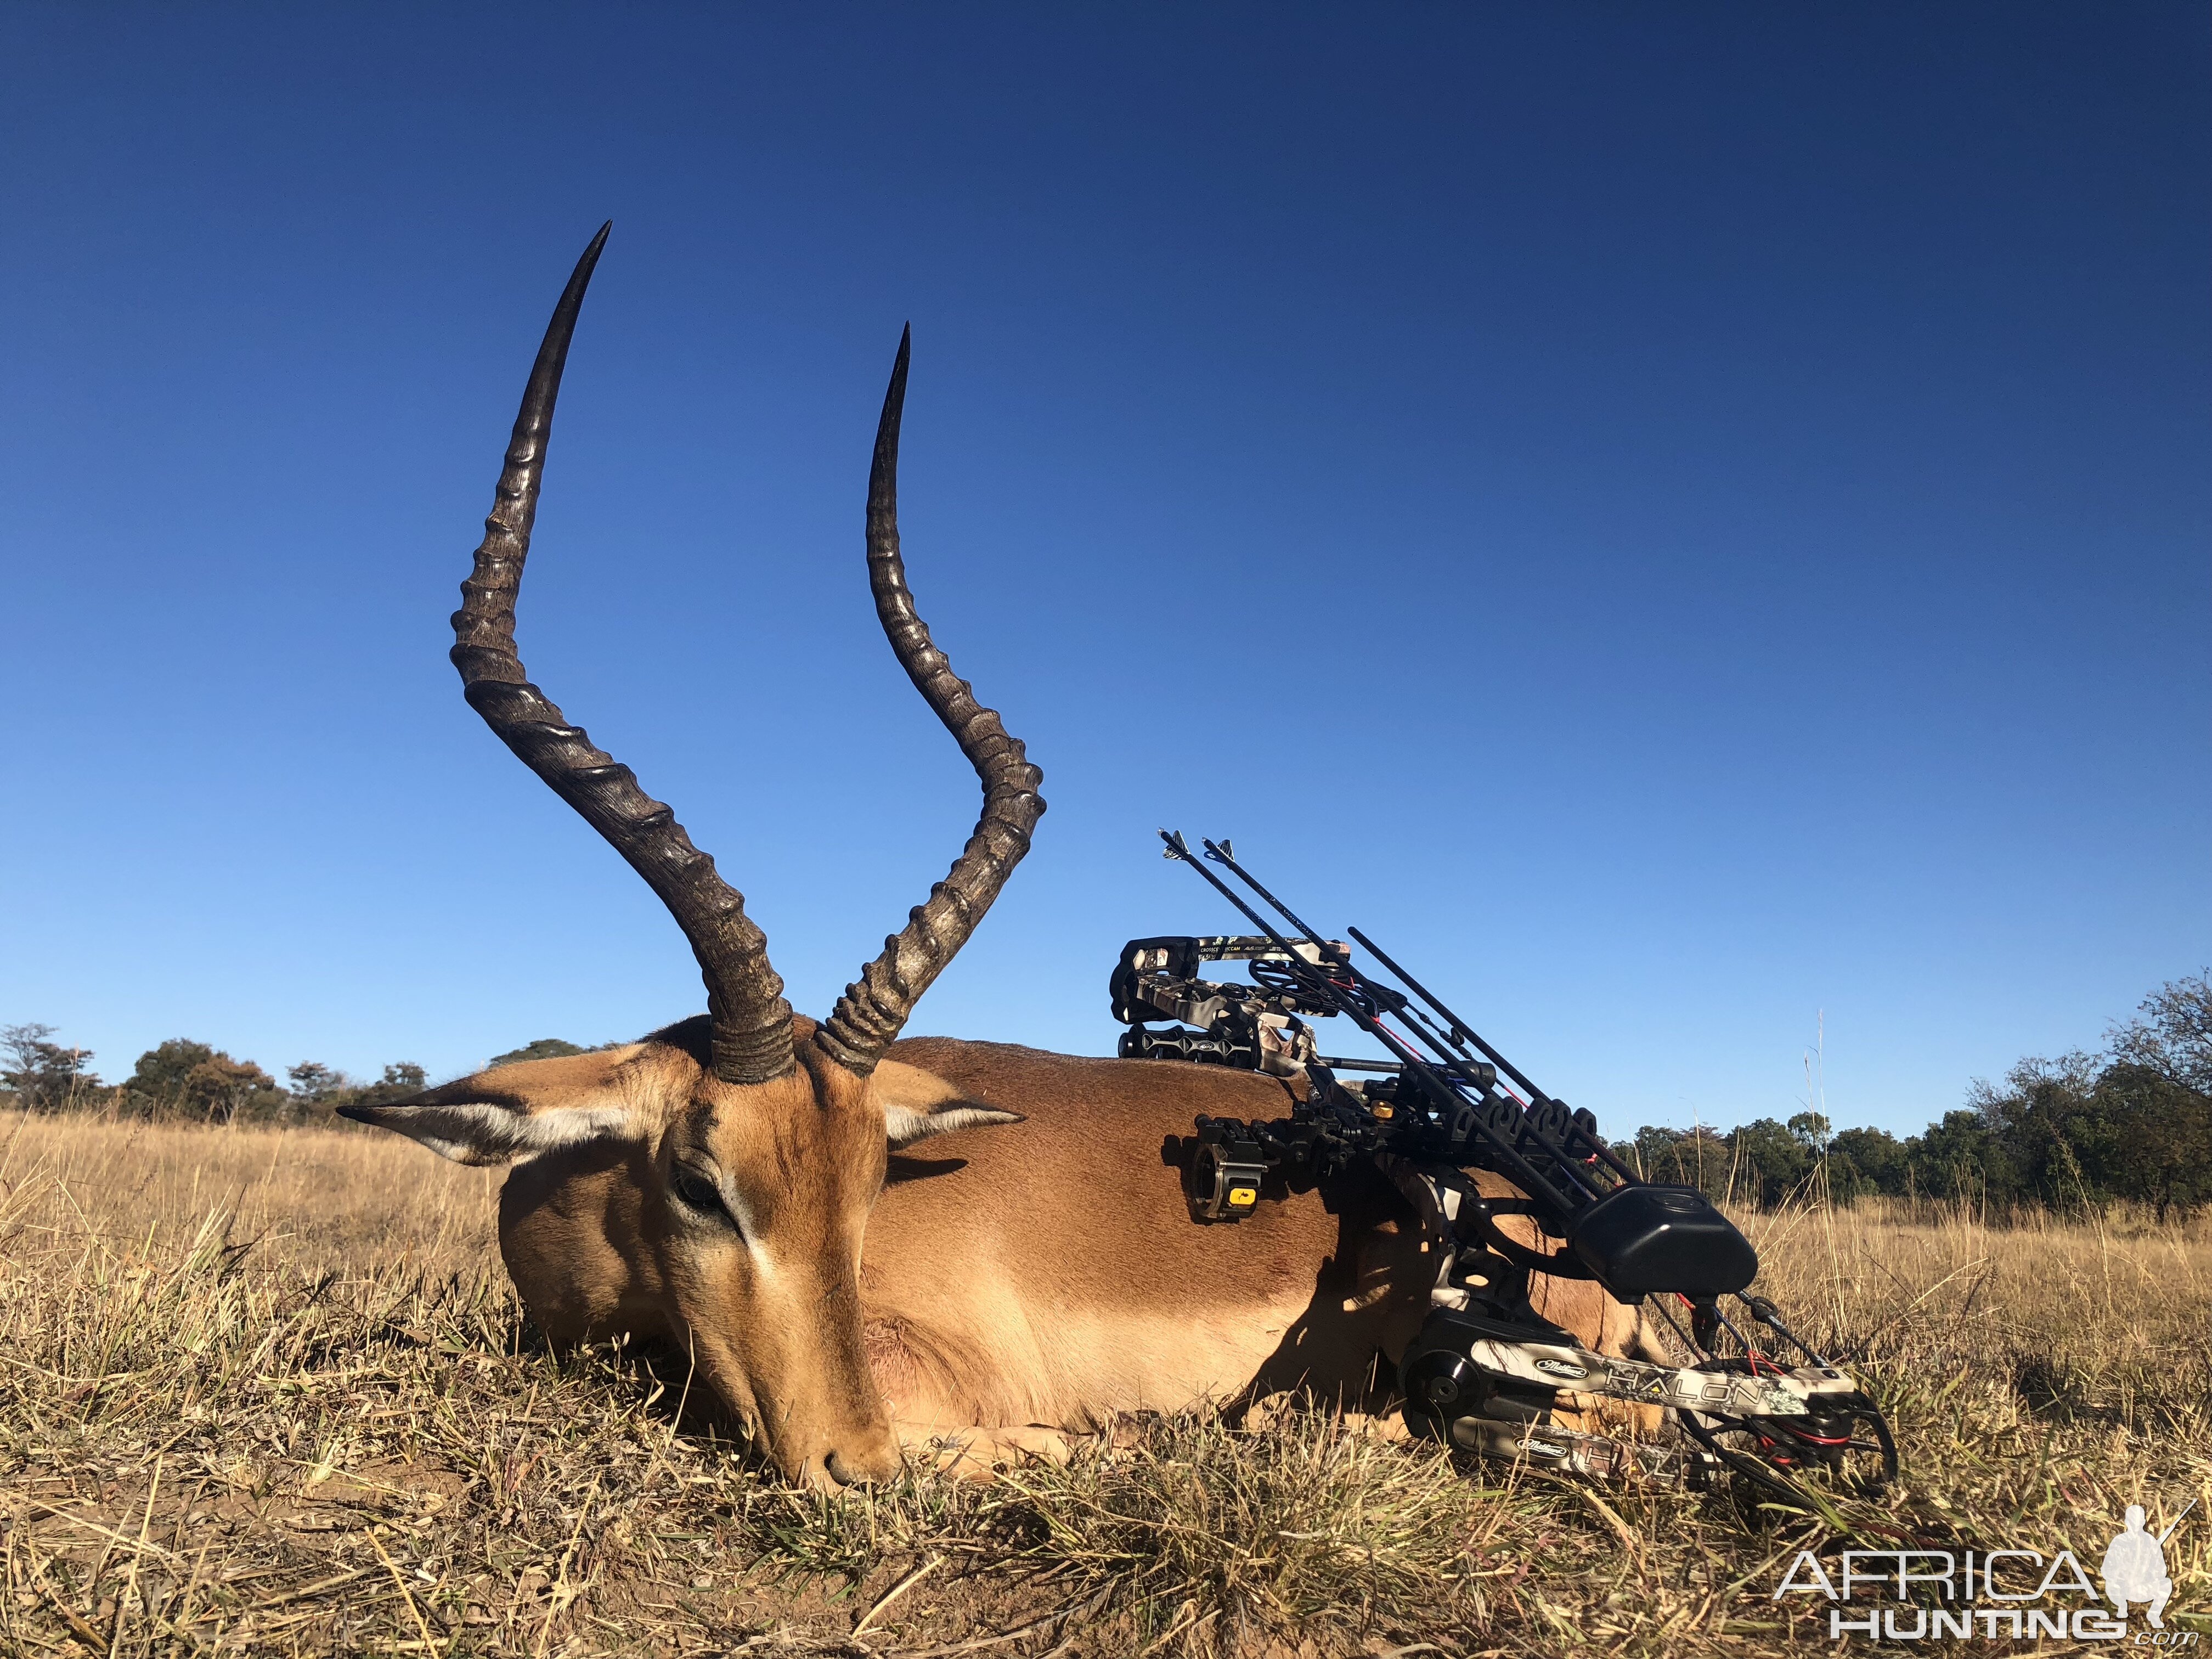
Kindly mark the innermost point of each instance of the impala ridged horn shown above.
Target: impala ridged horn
(752, 1020)
(870, 1014)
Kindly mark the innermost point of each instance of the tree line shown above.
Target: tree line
(2132, 1123)
(196, 1082)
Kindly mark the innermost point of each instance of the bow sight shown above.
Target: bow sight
(1486, 1371)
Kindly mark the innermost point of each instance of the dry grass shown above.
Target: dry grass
(268, 1393)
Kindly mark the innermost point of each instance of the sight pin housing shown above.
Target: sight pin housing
(1226, 1170)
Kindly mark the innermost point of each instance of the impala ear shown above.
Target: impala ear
(918, 1104)
(513, 1114)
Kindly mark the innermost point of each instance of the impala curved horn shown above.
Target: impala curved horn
(875, 1006)
(751, 1022)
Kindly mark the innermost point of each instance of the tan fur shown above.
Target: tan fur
(1018, 1282)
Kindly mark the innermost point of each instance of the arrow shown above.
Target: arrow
(2177, 1520)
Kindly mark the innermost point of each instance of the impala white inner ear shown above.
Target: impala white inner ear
(903, 1128)
(918, 1104)
(490, 1132)
(512, 1113)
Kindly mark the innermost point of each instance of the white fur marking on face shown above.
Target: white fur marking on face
(741, 1212)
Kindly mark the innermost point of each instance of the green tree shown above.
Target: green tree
(1864, 1161)
(316, 1085)
(46, 1077)
(1654, 1152)
(1812, 1130)
(1960, 1156)
(2157, 1145)
(2045, 1136)
(543, 1048)
(1680, 1157)
(2171, 1034)
(198, 1081)
(1770, 1162)
(398, 1081)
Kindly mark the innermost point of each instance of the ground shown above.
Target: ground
(270, 1392)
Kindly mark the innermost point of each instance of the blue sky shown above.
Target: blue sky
(1682, 522)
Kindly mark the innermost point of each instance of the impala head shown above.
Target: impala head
(752, 1145)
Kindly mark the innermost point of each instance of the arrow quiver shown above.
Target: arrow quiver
(1485, 1373)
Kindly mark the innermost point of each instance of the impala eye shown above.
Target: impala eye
(698, 1192)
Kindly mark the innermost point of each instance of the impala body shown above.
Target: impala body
(862, 1242)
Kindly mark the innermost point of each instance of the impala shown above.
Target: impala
(759, 1190)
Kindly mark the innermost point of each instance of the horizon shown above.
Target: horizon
(1689, 528)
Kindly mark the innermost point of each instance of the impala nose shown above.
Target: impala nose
(856, 1466)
